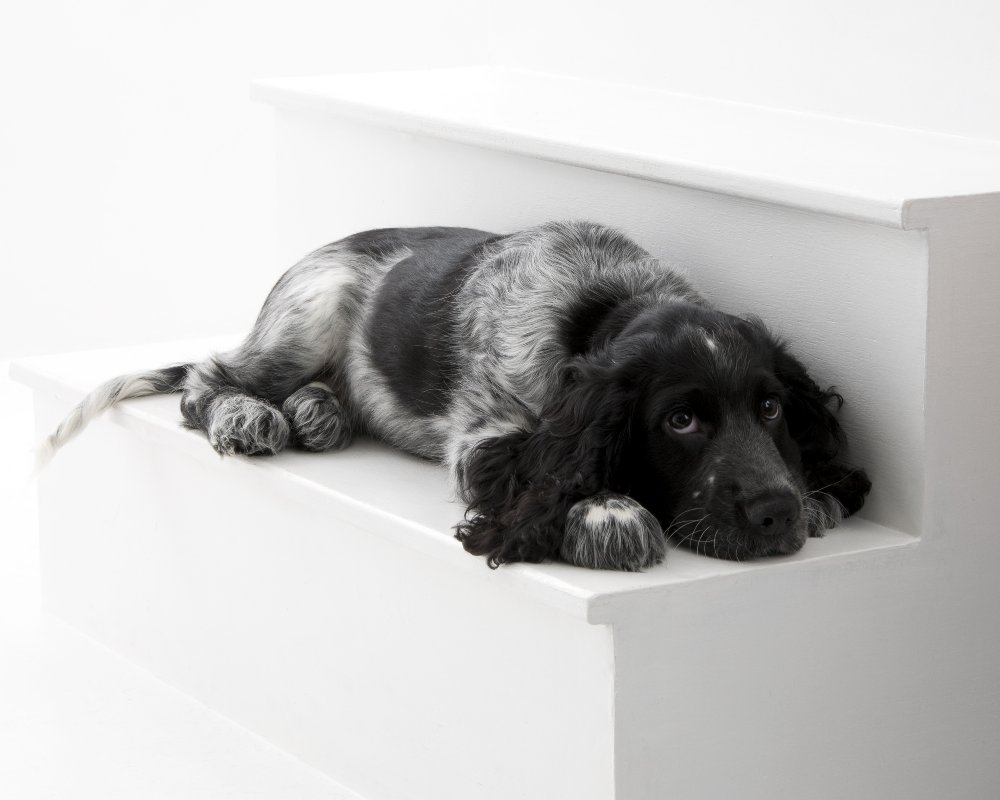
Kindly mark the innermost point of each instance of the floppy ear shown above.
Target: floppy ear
(521, 486)
(814, 428)
(810, 421)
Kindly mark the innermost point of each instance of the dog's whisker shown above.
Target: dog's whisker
(694, 528)
(840, 480)
(677, 528)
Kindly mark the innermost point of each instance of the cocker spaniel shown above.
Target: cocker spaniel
(587, 401)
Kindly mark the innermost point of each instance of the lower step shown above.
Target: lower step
(322, 602)
(286, 603)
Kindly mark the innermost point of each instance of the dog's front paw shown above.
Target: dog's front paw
(851, 490)
(246, 425)
(612, 531)
(839, 492)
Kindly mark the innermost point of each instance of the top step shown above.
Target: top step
(836, 166)
(409, 501)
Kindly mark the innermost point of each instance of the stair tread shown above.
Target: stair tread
(855, 169)
(407, 499)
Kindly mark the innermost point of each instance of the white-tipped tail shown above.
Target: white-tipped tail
(160, 381)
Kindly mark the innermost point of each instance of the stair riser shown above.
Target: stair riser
(389, 670)
(850, 297)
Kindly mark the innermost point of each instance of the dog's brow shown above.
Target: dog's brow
(673, 392)
(766, 381)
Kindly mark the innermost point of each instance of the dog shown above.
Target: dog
(588, 402)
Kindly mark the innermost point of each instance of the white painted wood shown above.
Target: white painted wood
(81, 722)
(270, 600)
(880, 682)
(408, 501)
(860, 170)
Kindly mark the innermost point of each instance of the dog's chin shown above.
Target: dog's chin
(750, 547)
(733, 544)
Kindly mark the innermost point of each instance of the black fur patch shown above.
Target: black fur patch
(595, 320)
(412, 327)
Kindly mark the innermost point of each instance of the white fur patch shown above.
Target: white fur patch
(600, 514)
(611, 531)
(242, 424)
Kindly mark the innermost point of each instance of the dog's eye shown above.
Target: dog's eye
(770, 408)
(683, 421)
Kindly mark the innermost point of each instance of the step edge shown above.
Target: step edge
(886, 209)
(537, 582)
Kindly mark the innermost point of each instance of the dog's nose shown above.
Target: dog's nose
(771, 513)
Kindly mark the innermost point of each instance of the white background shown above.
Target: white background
(136, 204)
(136, 176)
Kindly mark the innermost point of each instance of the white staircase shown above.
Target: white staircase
(322, 602)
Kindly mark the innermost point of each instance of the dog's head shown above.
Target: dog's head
(720, 432)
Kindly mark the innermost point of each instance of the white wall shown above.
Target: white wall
(924, 64)
(136, 178)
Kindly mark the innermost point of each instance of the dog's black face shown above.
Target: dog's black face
(703, 418)
(728, 436)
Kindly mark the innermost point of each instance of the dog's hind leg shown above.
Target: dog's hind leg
(234, 420)
(318, 421)
(267, 393)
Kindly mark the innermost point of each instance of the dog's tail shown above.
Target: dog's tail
(124, 387)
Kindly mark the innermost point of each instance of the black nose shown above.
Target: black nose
(771, 513)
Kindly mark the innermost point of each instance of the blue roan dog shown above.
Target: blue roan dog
(587, 401)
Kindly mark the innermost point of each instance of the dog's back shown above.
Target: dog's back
(415, 332)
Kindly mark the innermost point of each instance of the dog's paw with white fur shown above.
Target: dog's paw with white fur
(245, 425)
(317, 418)
(612, 531)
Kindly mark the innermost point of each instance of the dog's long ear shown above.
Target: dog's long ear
(521, 486)
(814, 428)
(808, 410)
